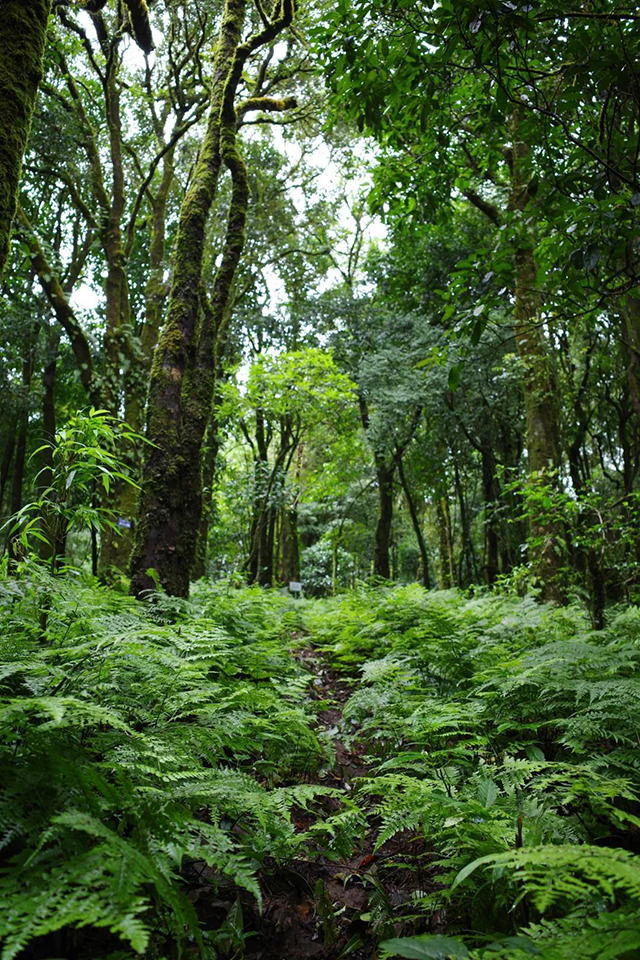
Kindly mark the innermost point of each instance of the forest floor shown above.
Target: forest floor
(321, 907)
(383, 773)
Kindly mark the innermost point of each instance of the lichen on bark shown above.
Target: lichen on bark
(23, 28)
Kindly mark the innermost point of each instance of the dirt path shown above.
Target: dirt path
(324, 908)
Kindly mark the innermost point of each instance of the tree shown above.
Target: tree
(285, 399)
(23, 29)
(455, 109)
(181, 384)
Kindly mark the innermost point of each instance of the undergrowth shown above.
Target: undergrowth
(141, 744)
(504, 739)
(148, 749)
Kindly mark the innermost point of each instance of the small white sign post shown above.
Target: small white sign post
(295, 587)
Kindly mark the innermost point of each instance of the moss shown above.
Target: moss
(140, 26)
(181, 384)
(23, 28)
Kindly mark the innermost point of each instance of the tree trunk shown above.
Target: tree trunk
(491, 540)
(417, 528)
(23, 30)
(209, 465)
(468, 554)
(19, 457)
(115, 547)
(631, 337)
(290, 546)
(265, 574)
(384, 475)
(7, 457)
(64, 313)
(182, 378)
(155, 295)
(539, 388)
(447, 576)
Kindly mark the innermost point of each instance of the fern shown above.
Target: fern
(504, 735)
(132, 737)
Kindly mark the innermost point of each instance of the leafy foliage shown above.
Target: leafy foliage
(139, 743)
(501, 732)
(84, 466)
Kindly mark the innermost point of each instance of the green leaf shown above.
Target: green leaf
(419, 948)
(487, 793)
(523, 944)
(470, 868)
(454, 377)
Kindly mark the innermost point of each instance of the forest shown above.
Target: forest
(319, 480)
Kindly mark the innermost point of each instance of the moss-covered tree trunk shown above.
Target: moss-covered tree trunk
(137, 382)
(467, 554)
(116, 547)
(290, 544)
(631, 341)
(22, 431)
(538, 382)
(51, 551)
(23, 30)
(447, 571)
(170, 501)
(209, 467)
(7, 458)
(543, 451)
(58, 298)
(182, 375)
(491, 540)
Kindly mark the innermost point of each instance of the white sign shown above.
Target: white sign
(124, 524)
(294, 586)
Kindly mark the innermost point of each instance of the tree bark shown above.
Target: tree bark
(23, 29)
(53, 549)
(631, 336)
(115, 547)
(468, 554)
(447, 576)
(182, 375)
(63, 311)
(538, 383)
(209, 466)
(491, 540)
(265, 575)
(261, 488)
(290, 559)
(19, 458)
(7, 457)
